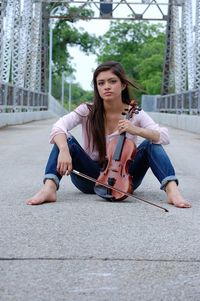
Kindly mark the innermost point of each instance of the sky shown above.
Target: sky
(85, 64)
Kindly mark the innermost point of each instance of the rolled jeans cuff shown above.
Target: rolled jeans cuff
(52, 177)
(166, 180)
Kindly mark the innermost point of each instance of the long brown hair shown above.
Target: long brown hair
(96, 116)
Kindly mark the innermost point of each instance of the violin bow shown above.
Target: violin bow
(116, 189)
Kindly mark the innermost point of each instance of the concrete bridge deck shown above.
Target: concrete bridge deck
(82, 248)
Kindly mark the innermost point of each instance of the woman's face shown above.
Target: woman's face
(109, 85)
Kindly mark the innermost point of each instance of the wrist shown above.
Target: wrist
(63, 147)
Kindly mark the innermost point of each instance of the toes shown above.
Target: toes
(28, 202)
(33, 202)
(182, 205)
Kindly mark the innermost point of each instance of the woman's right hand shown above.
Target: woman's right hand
(64, 164)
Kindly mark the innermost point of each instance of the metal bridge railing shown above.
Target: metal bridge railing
(16, 99)
(182, 103)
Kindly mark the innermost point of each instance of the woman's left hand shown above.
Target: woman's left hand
(126, 126)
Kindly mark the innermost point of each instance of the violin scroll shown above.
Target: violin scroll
(135, 109)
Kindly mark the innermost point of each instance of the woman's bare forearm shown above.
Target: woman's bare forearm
(126, 126)
(64, 163)
(61, 141)
(149, 134)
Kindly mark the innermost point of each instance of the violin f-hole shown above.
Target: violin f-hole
(111, 181)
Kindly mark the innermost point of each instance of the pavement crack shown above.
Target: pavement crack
(95, 259)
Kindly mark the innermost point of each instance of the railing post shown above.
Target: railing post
(28, 100)
(190, 102)
(5, 97)
(182, 103)
(170, 102)
(176, 104)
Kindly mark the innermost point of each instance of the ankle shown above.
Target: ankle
(50, 184)
(171, 187)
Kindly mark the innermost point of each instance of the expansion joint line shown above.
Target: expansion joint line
(92, 258)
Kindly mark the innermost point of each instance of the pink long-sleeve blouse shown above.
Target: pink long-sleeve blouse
(79, 117)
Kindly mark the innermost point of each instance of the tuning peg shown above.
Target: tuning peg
(137, 110)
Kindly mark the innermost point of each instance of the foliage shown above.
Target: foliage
(65, 35)
(139, 46)
(78, 95)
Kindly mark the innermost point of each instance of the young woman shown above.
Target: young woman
(102, 121)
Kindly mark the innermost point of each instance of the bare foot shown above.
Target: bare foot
(44, 195)
(174, 196)
(179, 202)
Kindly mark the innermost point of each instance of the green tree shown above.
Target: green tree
(78, 94)
(150, 67)
(65, 35)
(139, 46)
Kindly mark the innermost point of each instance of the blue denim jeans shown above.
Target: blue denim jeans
(149, 155)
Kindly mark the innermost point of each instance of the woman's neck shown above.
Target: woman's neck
(116, 108)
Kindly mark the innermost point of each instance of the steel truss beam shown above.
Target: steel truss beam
(8, 40)
(23, 42)
(23, 39)
(2, 14)
(134, 10)
(197, 47)
(179, 65)
(168, 52)
(33, 79)
(44, 49)
(16, 40)
(177, 55)
(189, 33)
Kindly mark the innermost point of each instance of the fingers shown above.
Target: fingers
(124, 126)
(121, 130)
(64, 164)
(121, 127)
(64, 168)
(69, 169)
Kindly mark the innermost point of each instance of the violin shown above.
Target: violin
(114, 182)
(120, 152)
